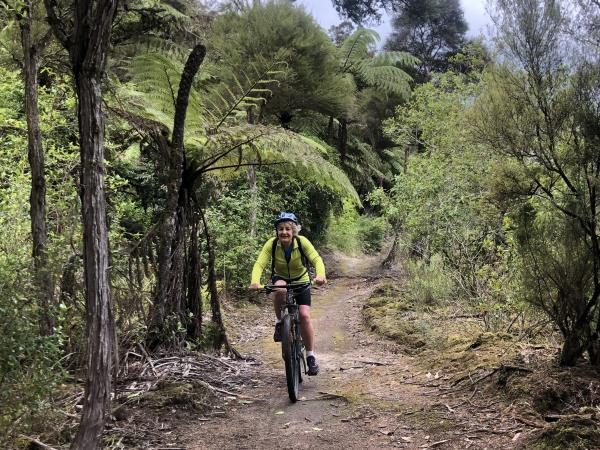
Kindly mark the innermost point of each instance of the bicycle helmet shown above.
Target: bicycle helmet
(285, 217)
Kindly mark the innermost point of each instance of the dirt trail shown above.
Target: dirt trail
(366, 396)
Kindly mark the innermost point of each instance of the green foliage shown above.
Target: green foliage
(353, 234)
(218, 137)
(438, 201)
(357, 56)
(277, 191)
(429, 283)
(29, 368)
(431, 30)
(262, 31)
(541, 115)
(442, 203)
(372, 232)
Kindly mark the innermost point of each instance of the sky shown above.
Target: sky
(326, 16)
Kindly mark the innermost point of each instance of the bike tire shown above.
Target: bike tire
(290, 358)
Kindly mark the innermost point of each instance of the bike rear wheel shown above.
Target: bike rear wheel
(290, 357)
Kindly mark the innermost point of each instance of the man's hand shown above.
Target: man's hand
(320, 281)
(254, 287)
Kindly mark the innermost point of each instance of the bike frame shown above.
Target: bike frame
(292, 345)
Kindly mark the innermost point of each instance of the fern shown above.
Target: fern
(388, 79)
(392, 58)
(231, 102)
(380, 71)
(357, 47)
(218, 137)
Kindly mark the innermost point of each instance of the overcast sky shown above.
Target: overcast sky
(326, 15)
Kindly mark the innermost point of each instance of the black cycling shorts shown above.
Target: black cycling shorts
(302, 296)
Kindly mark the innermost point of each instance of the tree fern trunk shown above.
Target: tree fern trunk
(194, 302)
(170, 297)
(330, 137)
(215, 304)
(253, 199)
(343, 140)
(251, 173)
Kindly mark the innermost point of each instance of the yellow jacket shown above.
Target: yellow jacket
(295, 268)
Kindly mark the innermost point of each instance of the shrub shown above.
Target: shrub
(430, 283)
(371, 232)
(352, 233)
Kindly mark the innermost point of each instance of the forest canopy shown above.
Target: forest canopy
(147, 146)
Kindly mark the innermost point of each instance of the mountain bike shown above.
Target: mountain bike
(292, 346)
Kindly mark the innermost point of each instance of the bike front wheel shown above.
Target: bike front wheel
(290, 357)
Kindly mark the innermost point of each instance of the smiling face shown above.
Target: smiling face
(285, 233)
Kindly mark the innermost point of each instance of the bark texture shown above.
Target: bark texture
(35, 153)
(171, 298)
(87, 41)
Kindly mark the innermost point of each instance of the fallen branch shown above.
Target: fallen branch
(145, 353)
(502, 367)
(435, 444)
(375, 363)
(36, 442)
(223, 391)
(329, 396)
(559, 417)
(531, 423)
(351, 367)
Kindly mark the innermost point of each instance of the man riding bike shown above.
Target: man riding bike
(286, 251)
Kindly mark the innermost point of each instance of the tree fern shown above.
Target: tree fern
(360, 45)
(388, 79)
(358, 58)
(232, 101)
(218, 137)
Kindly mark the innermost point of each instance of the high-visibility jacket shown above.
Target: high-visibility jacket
(295, 269)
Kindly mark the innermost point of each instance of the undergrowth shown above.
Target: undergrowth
(451, 341)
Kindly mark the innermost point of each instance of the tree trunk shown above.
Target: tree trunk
(392, 256)
(572, 349)
(343, 143)
(253, 199)
(170, 298)
(594, 350)
(100, 322)
(194, 301)
(251, 173)
(215, 304)
(37, 200)
(87, 42)
(330, 131)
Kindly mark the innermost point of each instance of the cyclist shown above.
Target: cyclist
(286, 252)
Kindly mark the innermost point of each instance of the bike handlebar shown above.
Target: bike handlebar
(288, 287)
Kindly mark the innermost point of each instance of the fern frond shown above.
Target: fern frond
(357, 47)
(249, 144)
(243, 93)
(389, 79)
(393, 58)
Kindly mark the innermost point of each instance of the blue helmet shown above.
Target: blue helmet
(285, 217)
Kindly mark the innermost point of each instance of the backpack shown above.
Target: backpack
(305, 262)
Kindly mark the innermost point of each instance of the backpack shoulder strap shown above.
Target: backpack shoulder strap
(305, 261)
(273, 248)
